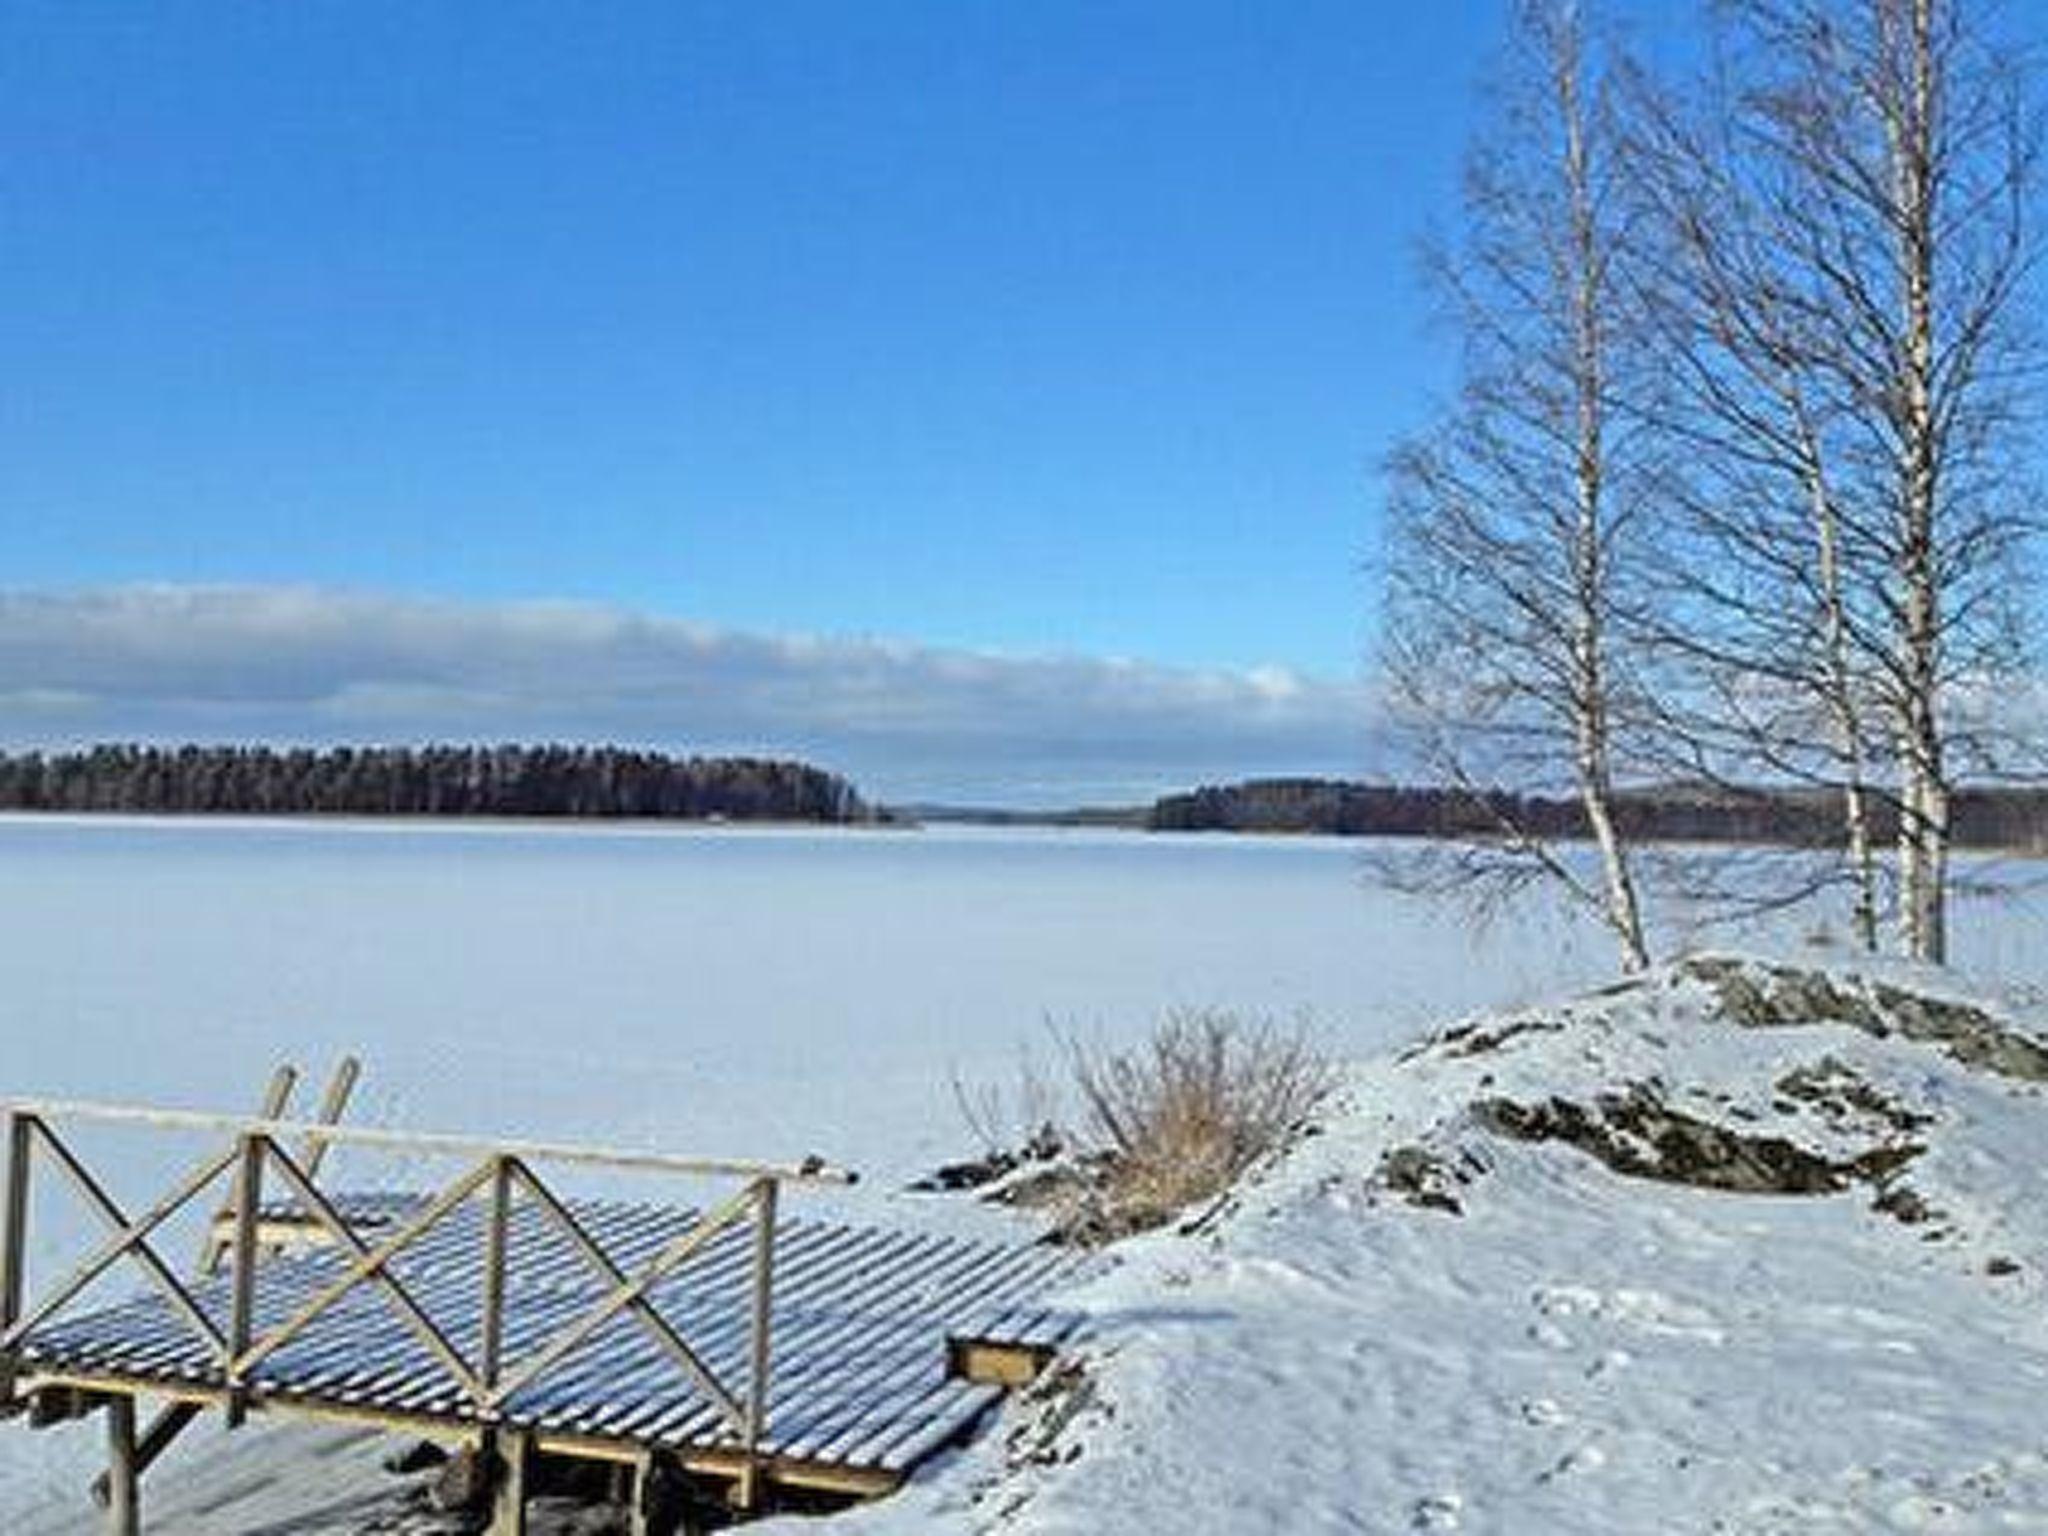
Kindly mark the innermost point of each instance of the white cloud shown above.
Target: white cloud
(308, 664)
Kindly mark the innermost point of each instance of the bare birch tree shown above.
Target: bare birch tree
(1510, 522)
(1759, 618)
(1856, 269)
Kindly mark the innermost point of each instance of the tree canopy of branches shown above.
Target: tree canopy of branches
(1735, 489)
(1844, 206)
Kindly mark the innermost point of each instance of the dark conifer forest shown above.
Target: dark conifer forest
(545, 781)
(2005, 817)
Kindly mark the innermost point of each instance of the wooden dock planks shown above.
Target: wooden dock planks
(887, 1345)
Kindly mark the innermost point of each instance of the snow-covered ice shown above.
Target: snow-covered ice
(502, 977)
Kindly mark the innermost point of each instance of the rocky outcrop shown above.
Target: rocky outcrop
(1760, 995)
(1635, 1132)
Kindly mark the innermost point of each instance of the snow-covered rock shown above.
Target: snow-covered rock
(1735, 1247)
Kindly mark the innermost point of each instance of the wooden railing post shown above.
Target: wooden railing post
(761, 1355)
(14, 1238)
(248, 1216)
(497, 1218)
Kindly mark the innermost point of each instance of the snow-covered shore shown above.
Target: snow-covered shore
(1440, 1314)
(1734, 1248)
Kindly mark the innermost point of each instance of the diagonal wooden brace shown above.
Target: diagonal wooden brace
(371, 1267)
(131, 1240)
(629, 1295)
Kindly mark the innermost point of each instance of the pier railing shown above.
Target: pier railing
(250, 1156)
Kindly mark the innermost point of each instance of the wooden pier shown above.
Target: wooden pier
(738, 1347)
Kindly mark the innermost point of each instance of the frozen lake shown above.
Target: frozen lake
(758, 992)
(764, 992)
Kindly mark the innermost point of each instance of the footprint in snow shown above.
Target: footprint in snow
(1587, 1458)
(1565, 1300)
(1544, 1412)
(1654, 1312)
(1438, 1512)
(1924, 1513)
(1609, 1362)
(1650, 1311)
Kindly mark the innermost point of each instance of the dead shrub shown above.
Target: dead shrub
(1020, 1122)
(1181, 1115)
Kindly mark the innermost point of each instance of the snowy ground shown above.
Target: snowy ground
(1573, 1350)
(1421, 1319)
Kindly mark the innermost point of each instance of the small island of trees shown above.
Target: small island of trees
(541, 781)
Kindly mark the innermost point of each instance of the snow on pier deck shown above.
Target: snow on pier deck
(871, 1329)
(734, 1345)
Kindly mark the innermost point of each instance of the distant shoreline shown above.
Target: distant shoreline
(389, 821)
(2006, 818)
(555, 784)
(543, 781)
(1021, 823)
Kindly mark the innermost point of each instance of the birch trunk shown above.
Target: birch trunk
(1513, 520)
(1590, 695)
(1923, 826)
(1841, 693)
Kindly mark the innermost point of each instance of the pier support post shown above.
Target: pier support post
(14, 1241)
(124, 1502)
(653, 1509)
(747, 1491)
(509, 1453)
(242, 1279)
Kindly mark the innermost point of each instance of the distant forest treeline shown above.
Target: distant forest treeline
(2010, 818)
(426, 781)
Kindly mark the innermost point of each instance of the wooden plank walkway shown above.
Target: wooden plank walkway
(868, 1326)
(733, 1345)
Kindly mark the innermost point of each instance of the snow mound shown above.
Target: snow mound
(1738, 1246)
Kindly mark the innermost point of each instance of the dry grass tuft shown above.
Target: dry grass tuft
(1180, 1116)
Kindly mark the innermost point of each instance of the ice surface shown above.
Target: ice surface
(747, 992)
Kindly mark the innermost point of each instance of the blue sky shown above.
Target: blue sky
(1066, 330)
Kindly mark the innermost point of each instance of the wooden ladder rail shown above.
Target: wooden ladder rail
(333, 1105)
(174, 1419)
(277, 1100)
(220, 1238)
